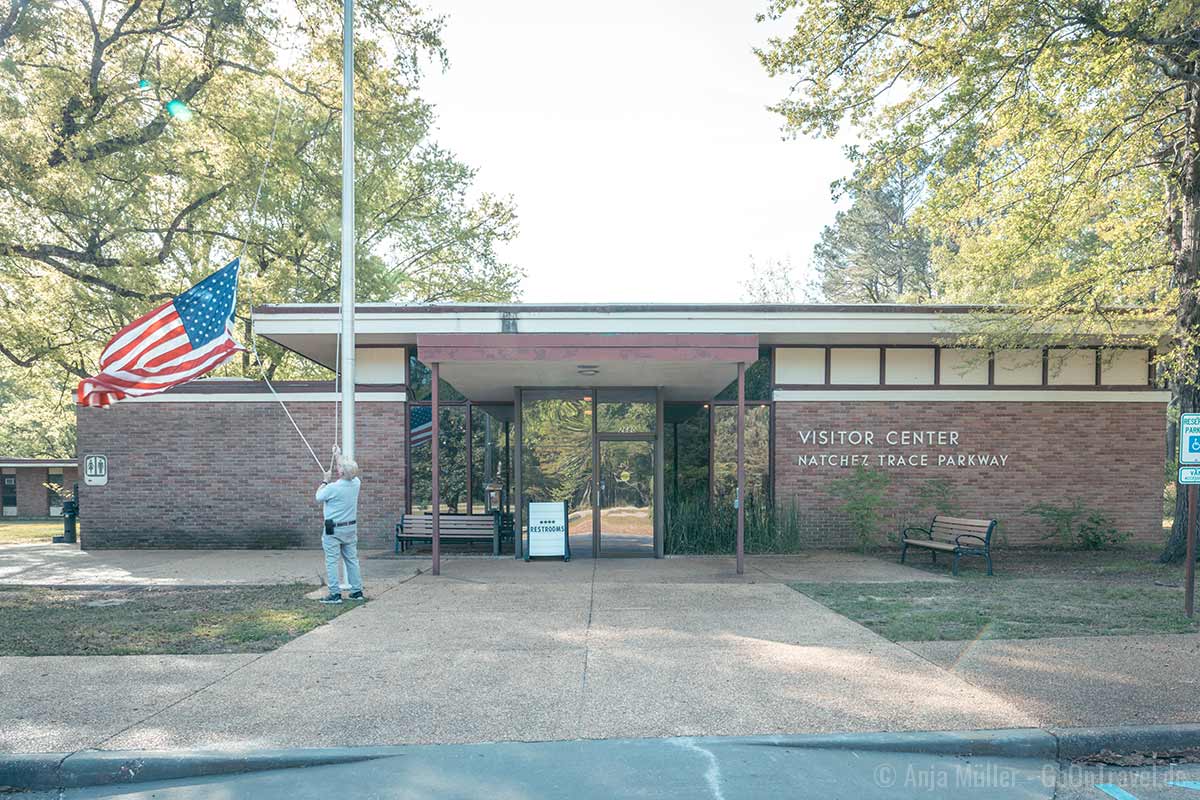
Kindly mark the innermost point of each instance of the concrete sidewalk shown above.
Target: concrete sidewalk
(500, 650)
(67, 565)
(1082, 680)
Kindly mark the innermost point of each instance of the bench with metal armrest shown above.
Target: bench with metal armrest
(957, 535)
(419, 527)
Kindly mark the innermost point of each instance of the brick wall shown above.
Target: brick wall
(1110, 455)
(232, 474)
(33, 498)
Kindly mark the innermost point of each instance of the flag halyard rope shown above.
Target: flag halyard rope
(253, 336)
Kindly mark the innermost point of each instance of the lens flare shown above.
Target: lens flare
(179, 110)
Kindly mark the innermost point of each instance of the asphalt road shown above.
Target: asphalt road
(672, 768)
(718, 768)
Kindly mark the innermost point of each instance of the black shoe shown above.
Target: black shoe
(332, 599)
(357, 596)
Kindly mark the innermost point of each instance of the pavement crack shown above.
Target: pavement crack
(98, 745)
(587, 631)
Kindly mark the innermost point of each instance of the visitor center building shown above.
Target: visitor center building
(629, 414)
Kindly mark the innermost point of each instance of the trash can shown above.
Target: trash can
(70, 514)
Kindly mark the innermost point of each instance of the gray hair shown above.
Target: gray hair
(349, 468)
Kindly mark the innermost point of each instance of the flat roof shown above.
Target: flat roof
(37, 462)
(310, 329)
(641, 308)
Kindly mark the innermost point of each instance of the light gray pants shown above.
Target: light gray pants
(336, 551)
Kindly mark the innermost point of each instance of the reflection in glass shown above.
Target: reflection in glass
(452, 458)
(556, 457)
(686, 451)
(758, 379)
(490, 438)
(758, 448)
(627, 498)
(420, 382)
(625, 411)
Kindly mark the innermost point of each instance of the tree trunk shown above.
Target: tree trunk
(1176, 547)
(1185, 242)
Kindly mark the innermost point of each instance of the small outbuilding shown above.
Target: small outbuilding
(34, 488)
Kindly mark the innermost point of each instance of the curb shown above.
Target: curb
(1048, 744)
(1079, 742)
(1007, 743)
(40, 771)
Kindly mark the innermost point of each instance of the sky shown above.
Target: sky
(635, 141)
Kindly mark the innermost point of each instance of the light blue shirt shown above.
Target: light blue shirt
(340, 499)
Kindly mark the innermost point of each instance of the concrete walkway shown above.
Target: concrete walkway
(67, 565)
(500, 650)
(1083, 680)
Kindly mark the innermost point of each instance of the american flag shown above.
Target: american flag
(420, 419)
(180, 340)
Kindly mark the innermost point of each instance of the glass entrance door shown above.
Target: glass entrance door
(593, 449)
(626, 503)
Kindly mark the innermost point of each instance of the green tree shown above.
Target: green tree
(864, 499)
(1063, 143)
(873, 253)
(134, 137)
(38, 419)
(770, 282)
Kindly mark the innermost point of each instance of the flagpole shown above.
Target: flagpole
(347, 307)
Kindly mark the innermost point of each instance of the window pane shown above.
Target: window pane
(420, 381)
(758, 379)
(556, 452)
(757, 438)
(54, 486)
(491, 434)
(452, 455)
(625, 410)
(685, 451)
(9, 485)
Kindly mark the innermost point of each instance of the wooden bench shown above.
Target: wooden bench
(962, 537)
(412, 527)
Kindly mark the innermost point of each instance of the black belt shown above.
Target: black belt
(341, 524)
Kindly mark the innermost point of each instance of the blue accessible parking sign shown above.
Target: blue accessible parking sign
(1189, 439)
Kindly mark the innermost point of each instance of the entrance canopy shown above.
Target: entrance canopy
(486, 367)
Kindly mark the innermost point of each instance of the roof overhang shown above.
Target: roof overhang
(486, 367)
(311, 329)
(9, 463)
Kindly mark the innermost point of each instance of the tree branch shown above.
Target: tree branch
(8, 25)
(50, 255)
(173, 228)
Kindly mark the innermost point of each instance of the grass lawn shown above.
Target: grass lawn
(1035, 594)
(147, 621)
(30, 532)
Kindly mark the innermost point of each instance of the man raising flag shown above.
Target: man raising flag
(180, 340)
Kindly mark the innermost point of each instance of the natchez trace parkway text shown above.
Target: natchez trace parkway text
(904, 438)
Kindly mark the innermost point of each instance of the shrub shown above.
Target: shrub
(1169, 488)
(938, 494)
(864, 498)
(1077, 527)
(1097, 532)
(693, 527)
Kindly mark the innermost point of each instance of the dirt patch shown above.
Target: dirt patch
(1189, 755)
